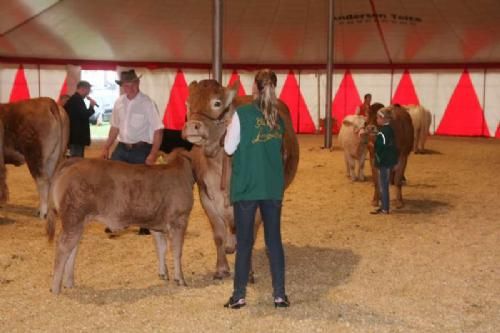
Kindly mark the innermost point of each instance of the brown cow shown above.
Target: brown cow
(118, 194)
(403, 131)
(34, 131)
(210, 108)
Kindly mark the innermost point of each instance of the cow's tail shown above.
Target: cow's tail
(4, 190)
(50, 226)
(63, 127)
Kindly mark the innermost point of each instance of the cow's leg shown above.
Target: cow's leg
(161, 250)
(376, 193)
(43, 184)
(398, 182)
(416, 138)
(69, 269)
(219, 230)
(178, 231)
(352, 167)
(347, 166)
(361, 164)
(65, 246)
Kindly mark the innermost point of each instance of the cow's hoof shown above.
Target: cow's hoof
(230, 249)
(163, 277)
(399, 204)
(221, 275)
(181, 283)
(251, 278)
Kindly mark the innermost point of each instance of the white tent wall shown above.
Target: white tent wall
(492, 100)
(32, 74)
(434, 88)
(52, 80)
(376, 82)
(7, 77)
(308, 83)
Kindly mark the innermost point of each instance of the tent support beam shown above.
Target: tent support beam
(217, 40)
(329, 78)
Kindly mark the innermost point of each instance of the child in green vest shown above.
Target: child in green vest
(254, 138)
(386, 157)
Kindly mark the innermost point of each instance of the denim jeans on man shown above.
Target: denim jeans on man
(134, 155)
(244, 218)
(384, 178)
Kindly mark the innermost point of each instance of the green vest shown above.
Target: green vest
(257, 162)
(386, 153)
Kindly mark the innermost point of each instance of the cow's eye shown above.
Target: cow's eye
(217, 104)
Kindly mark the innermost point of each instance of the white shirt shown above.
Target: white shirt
(136, 119)
(232, 139)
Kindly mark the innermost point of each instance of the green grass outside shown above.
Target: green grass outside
(99, 131)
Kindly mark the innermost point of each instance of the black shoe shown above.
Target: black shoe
(143, 231)
(281, 302)
(235, 304)
(379, 211)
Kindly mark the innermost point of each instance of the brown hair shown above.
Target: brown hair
(267, 101)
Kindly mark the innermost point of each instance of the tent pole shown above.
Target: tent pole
(217, 40)
(329, 78)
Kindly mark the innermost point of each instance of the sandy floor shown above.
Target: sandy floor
(433, 266)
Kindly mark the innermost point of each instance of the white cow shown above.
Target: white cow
(421, 119)
(354, 139)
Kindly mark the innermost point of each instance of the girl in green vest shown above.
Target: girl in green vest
(254, 138)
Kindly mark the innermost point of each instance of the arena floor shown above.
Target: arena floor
(433, 266)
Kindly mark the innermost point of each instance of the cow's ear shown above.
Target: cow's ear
(230, 93)
(193, 85)
(347, 122)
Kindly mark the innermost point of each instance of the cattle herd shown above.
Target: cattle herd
(160, 197)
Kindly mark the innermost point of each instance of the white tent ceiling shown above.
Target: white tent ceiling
(286, 32)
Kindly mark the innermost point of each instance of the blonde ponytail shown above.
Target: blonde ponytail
(266, 100)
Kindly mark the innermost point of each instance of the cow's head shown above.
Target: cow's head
(359, 126)
(209, 111)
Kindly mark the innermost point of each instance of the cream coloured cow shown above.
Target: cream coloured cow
(421, 119)
(34, 132)
(353, 138)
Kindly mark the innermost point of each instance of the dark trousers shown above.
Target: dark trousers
(133, 155)
(244, 218)
(384, 178)
(76, 150)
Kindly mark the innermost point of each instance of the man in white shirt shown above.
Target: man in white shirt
(136, 122)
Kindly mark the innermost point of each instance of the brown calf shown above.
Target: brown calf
(118, 194)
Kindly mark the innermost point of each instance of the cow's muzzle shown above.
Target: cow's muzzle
(194, 131)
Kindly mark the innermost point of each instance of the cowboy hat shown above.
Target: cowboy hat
(128, 76)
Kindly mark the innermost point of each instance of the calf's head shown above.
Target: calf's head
(209, 112)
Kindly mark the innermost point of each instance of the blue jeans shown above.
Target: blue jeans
(383, 182)
(135, 155)
(76, 150)
(244, 218)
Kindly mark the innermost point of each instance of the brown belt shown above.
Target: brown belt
(130, 146)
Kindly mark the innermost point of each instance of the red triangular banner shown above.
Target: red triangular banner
(346, 101)
(463, 115)
(235, 76)
(292, 97)
(175, 113)
(20, 90)
(405, 93)
(64, 88)
(497, 134)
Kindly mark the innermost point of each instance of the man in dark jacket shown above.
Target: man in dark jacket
(79, 128)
